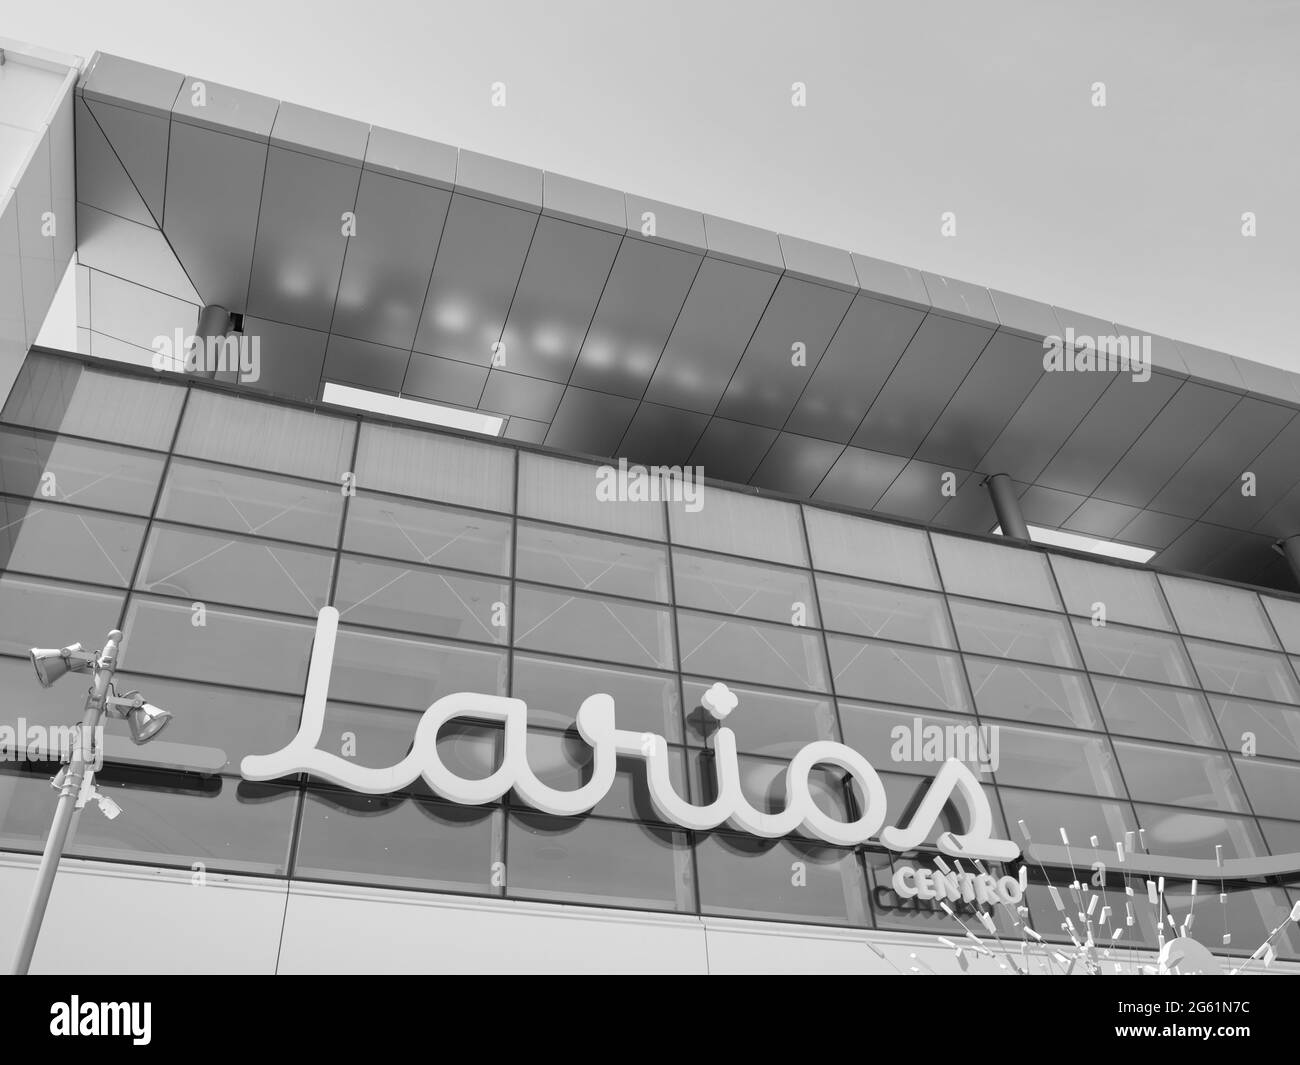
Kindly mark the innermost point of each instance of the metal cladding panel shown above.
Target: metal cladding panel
(225, 109)
(101, 179)
(561, 283)
(128, 249)
(916, 492)
(298, 257)
(642, 298)
(374, 366)
(664, 436)
(292, 359)
(132, 84)
(731, 451)
(33, 197)
(479, 261)
(1107, 431)
(859, 478)
(768, 381)
(1276, 474)
(864, 351)
(796, 465)
(720, 315)
(1003, 375)
(926, 377)
(444, 380)
(389, 261)
(590, 423)
(524, 397)
(1225, 455)
(1043, 423)
(140, 142)
(214, 193)
(1169, 441)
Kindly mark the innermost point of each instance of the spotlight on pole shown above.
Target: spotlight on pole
(52, 662)
(144, 719)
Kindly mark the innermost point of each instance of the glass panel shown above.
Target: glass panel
(378, 737)
(883, 611)
(1265, 728)
(842, 543)
(203, 566)
(1285, 615)
(37, 613)
(1131, 596)
(908, 741)
(762, 783)
(411, 674)
(162, 638)
(1126, 652)
(1057, 761)
(906, 793)
(765, 722)
(1179, 777)
(568, 492)
(611, 863)
(260, 504)
(1188, 834)
(92, 475)
(1082, 818)
(266, 436)
(229, 826)
(1283, 836)
(399, 841)
(67, 396)
(866, 669)
(1031, 693)
(608, 630)
(554, 689)
(737, 524)
(926, 915)
(749, 589)
(1249, 915)
(563, 760)
(1010, 633)
(422, 599)
(429, 465)
(995, 571)
(428, 533)
(68, 542)
(755, 651)
(1218, 612)
(591, 562)
(1271, 786)
(1158, 713)
(744, 876)
(1238, 671)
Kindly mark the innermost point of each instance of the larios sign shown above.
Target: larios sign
(597, 728)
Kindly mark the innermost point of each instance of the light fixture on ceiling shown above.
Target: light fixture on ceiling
(416, 410)
(1093, 544)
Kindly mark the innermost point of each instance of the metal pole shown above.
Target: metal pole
(1007, 507)
(67, 805)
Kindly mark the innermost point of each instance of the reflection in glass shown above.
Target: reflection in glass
(1127, 594)
(892, 673)
(883, 611)
(1010, 633)
(554, 689)
(1155, 712)
(563, 760)
(1218, 612)
(36, 613)
(74, 471)
(737, 524)
(1239, 671)
(1273, 787)
(1031, 693)
(1179, 777)
(1192, 834)
(413, 462)
(428, 533)
(608, 630)
(410, 674)
(1124, 652)
(995, 571)
(1273, 731)
(860, 547)
(422, 599)
(68, 542)
(764, 721)
(899, 740)
(756, 651)
(562, 491)
(746, 589)
(1056, 760)
(591, 563)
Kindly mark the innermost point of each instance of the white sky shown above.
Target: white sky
(1130, 212)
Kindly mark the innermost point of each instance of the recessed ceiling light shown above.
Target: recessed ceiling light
(1097, 546)
(416, 410)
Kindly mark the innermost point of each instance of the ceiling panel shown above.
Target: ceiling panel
(478, 266)
(917, 491)
(292, 359)
(641, 301)
(140, 143)
(101, 179)
(1108, 430)
(1200, 545)
(796, 465)
(1218, 463)
(863, 353)
(298, 256)
(1151, 529)
(717, 320)
(930, 371)
(1100, 517)
(662, 435)
(590, 423)
(1042, 424)
(373, 366)
(1169, 441)
(128, 249)
(214, 193)
(1276, 473)
(445, 380)
(767, 383)
(970, 509)
(388, 263)
(524, 397)
(562, 279)
(1003, 375)
(731, 451)
(859, 478)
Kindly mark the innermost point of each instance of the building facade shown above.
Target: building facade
(1127, 724)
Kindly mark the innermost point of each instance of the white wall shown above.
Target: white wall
(151, 920)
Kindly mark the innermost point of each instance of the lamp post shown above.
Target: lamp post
(145, 721)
